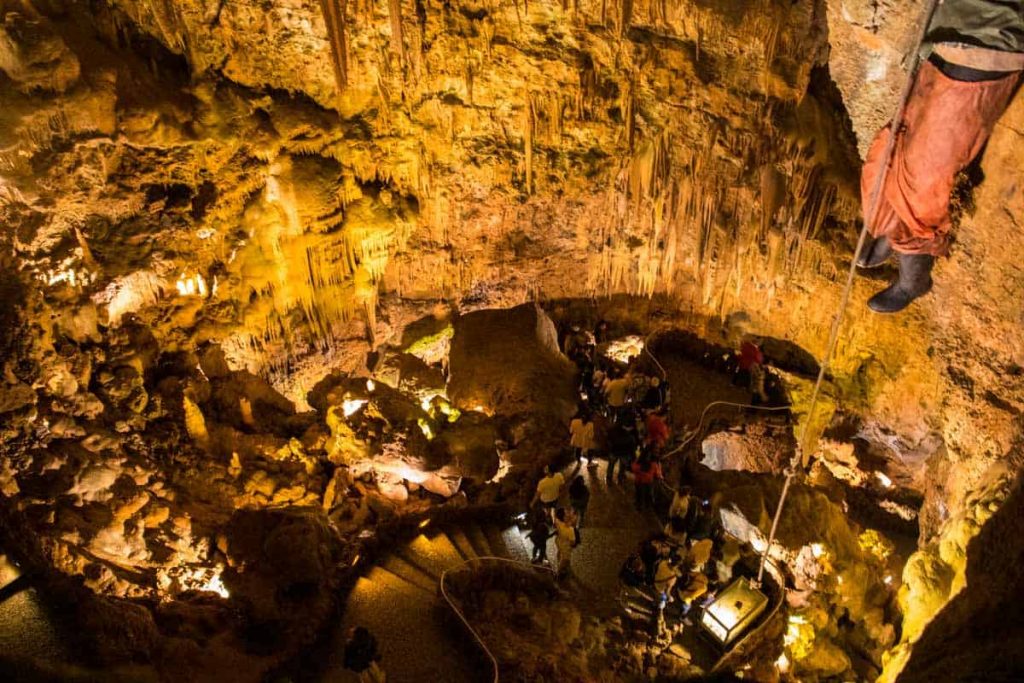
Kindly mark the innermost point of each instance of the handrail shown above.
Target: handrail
(462, 617)
(700, 424)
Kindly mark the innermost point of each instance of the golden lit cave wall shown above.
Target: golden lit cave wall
(318, 243)
(671, 126)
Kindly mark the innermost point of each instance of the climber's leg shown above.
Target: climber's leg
(945, 125)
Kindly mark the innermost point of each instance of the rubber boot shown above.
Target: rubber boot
(915, 280)
(874, 253)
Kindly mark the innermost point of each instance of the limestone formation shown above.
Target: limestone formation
(280, 279)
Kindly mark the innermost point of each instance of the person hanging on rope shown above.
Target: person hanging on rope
(974, 55)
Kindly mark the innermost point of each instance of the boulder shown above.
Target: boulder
(508, 362)
(280, 564)
(34, 56)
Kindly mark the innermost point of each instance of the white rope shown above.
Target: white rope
(869, 219)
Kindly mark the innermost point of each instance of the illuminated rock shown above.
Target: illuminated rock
(508, 362)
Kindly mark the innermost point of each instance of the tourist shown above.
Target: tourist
(646, 471)
(751, 362)
(975, 55)
(361, 655)
(694, 585)
(581, 437)
(579, 498)
(549, 489)
(657, 430)
(540, 532)
(633, 573)
(565, 539)
(666, 573)
(706, 522)
(616, 391)
(675, 531)
(681, 504)
(653, 398)
(699, 553)
(621, 450)
(651, 551)
(585, 363)
(601, 427)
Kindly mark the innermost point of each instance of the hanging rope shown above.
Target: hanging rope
(869, 219)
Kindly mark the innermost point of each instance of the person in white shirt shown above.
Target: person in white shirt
(548, 489)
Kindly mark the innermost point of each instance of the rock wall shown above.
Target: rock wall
(176, 173)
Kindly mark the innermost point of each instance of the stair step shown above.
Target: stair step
(479, 540)
(446, 545)
(461, 540)
(639, 608)
(496, 540)
(383, 580)
(449, 542)
(408, 572)
(430, 555)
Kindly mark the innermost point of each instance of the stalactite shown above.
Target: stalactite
(630, 111)
(334, 18)
(625, 16)
(528, 133)
(397, 38)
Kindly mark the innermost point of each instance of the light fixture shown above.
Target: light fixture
(370, 385)
(351, 405)
(733, 611)
(425, 523)
(883, 479)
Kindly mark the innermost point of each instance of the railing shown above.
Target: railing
(462, 617)
(700, 425)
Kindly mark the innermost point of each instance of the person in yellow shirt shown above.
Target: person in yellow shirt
(565, 539)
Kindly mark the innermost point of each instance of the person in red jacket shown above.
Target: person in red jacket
(657, 430)
(751, 362)
(646, 471)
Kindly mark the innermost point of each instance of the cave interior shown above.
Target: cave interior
(303, 300)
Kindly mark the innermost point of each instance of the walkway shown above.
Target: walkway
(612, 530)
(397, 598)
(27, 629)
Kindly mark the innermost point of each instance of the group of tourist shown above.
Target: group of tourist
(623, 419)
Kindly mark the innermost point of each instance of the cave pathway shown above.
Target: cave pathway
(397, 598)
